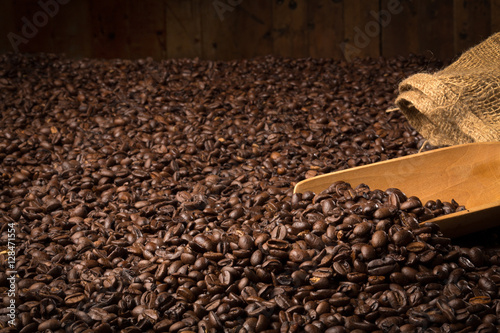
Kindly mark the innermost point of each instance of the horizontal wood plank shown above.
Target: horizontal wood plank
(9, 35)
(362, 28)
(75, 40)
(495, 16)
(235, 29)
(147, 29)
(435, 28)
(472, 23)
(183, 29)
(110, 29)
(34, 25)
(289, 28)
(400, 36)
(325, 28)
(238, 30)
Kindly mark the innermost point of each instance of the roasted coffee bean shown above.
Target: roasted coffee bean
(74, 299)
(368, 252)
(466, 264)
(402, 237)
(362, 229)
(50, 324)
(399, 278)
(410, 204)
(158, 196)
(246, 242)
(336, 329)
(385, 212)
(382, 266)
(416, 247)
(389, 323)
(379, 239)
(476, 256)
(425, 277)
(488, 285)
(342, 267)
(441, 271)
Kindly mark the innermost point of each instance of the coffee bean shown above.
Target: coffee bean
(50, 324)
(416, 246)
(368, 252)
(299, 255)
(342, 267)
(74, 299)
(385, 212)
(488, 285)
(158, 196)
(362, 229)
(466, 264)
(279, 232)
(410, 204)
(382, 266)
(476, 256)
(402, 237)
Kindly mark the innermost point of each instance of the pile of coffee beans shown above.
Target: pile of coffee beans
(158, 197)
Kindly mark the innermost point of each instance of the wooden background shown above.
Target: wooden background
(250, 28)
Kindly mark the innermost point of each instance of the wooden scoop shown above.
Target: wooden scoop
(468, 173)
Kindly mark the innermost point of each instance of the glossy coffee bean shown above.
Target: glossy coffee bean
(158, 196)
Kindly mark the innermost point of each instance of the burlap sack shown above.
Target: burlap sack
(460, 103)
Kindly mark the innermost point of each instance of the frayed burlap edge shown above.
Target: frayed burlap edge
(459, 104)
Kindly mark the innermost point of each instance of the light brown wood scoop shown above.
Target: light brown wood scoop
(468, 173)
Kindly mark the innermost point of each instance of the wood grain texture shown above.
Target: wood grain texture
(7, 25)
(75, 40)
(110, 29)
(468, 173)
(234, 29)
(289, 28)
(254, 22)
(495, 16)
(33, 24)
(435, 28)
(147, 29)
(325, 28)
(362, 28)
(238, 30)
(217, 38)
(183, 29)
(400, 36)
(472, 23)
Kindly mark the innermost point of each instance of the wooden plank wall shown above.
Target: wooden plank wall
(233, 29)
